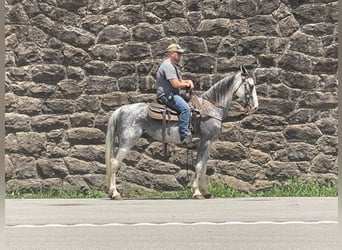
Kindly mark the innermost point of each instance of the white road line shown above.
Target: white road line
(178, 224)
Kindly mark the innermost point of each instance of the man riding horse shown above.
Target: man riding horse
(169, 82)
(130, 122)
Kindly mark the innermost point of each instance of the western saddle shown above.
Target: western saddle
(161, 112)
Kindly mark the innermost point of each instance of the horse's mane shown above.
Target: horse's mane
(218, 93)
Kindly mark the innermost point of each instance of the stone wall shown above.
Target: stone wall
(70, 64)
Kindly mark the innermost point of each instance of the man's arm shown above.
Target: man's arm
(171, 75)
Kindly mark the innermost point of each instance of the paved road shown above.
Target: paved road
(244, 223)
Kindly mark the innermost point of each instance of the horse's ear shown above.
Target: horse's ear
(244, 71)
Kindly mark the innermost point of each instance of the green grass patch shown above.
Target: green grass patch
(56, 194)
(294, 188)
(290, 188)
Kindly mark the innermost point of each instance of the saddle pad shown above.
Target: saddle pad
(156, 110)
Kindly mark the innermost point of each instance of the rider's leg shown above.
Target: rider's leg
(184, 116)
(183, 109)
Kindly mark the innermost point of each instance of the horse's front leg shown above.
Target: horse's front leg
(199, 183)
(203, 183)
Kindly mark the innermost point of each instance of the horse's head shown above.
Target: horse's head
(246, 91)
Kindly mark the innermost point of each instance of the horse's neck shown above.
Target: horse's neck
(219, 97)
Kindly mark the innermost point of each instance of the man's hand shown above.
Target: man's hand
(190, 84)
(181, 84)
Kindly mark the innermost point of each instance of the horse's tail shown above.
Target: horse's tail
(110, 140)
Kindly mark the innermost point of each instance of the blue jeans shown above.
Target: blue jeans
(183, 109)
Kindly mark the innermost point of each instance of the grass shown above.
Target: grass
(300, 189)
(56, 194)
(290, 188)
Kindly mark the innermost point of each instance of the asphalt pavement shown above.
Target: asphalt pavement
(242, 223)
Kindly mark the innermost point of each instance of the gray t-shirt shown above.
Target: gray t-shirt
(167, 71)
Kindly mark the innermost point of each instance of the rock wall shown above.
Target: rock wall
(70, 64)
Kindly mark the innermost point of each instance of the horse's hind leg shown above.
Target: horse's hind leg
(114, 167)
(127, 139)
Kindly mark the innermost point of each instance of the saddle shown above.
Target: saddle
(161, 112)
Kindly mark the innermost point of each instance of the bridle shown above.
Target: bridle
(244, 82)
(247, 93)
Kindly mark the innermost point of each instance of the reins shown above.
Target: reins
(189, 152)
(217, 106)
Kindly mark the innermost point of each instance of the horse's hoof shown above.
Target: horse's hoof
(117, 198)
(208, 196)
(198, 197)
(110, 193)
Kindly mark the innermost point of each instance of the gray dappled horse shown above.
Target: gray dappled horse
(130, 122)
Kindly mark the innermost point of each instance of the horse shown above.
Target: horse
(129, 122)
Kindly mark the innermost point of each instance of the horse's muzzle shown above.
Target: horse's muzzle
(250, 110)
